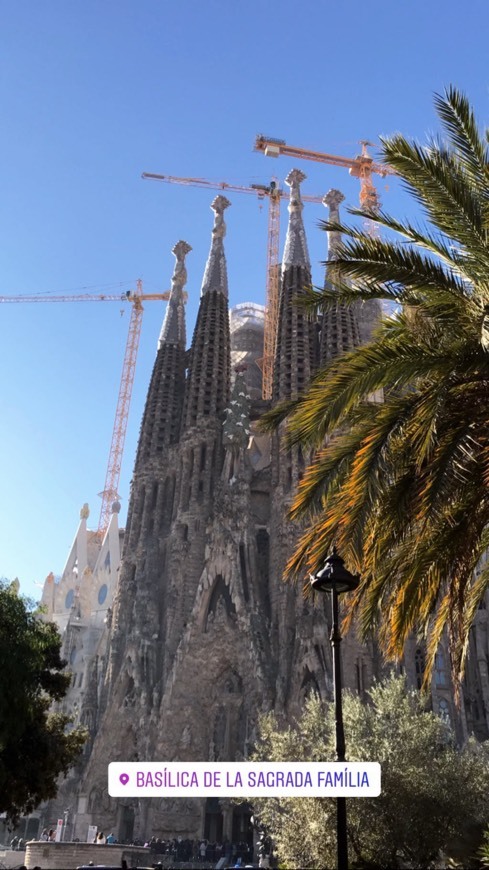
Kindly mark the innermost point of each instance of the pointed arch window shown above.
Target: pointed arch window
(441, 675)
(220, 599)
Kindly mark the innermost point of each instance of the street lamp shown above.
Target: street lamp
(334, 578)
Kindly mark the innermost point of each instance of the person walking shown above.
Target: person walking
(203, 847)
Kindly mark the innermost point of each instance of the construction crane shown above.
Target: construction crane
(136, 298)
(363, 166)
(275, 194)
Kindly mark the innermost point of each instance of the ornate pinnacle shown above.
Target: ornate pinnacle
(295, 253)
(173, 328)
(218, 206)
(215, 275)
(179, 278)
(294, 180)
(332, 201)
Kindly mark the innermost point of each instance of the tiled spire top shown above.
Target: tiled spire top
(215, 275)
(173, 329)
(332, 200)
(295, 253)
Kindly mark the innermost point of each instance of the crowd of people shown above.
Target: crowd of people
(177, 849)
(201, 851)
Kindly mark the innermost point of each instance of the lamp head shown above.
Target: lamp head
(334, 577)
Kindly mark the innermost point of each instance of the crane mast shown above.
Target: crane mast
(272, 299)
(109, 493)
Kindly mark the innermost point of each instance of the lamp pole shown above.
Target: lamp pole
(334, 578)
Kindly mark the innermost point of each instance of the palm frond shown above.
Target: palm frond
(402, 487)
(459, 121)
(435, 180)
(374, 261)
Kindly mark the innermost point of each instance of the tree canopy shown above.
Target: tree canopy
(431, 792)
(35, 747)
(401, 486)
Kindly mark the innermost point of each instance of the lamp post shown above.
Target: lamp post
(334, 578)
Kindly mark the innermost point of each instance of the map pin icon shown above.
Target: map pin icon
(124, 778)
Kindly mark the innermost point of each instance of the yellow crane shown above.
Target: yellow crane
(363, 166)
(135, 298)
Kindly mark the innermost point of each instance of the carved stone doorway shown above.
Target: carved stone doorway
(213, 820)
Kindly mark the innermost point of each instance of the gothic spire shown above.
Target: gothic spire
(215, 275)
(162, 414)
(207, 387)
(295, 252)
(296, 346)
(339, 329)
(173, 328)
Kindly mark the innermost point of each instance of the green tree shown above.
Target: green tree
(401, 486)
(431, 792)
(35, 747)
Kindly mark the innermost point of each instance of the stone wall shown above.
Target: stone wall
(11, 859)
(68, 856)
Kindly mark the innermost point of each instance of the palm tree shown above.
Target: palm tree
(401, 487)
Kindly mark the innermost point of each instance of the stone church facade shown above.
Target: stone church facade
(202, 635)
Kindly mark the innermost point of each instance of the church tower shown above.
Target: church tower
(137, 607)
(296, 354)
(200, 447)
(339, 328)
(296, 360)
(205, 635)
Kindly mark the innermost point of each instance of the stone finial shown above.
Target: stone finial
(294, 181)
(332, 200)
(218, 206)
(215, 275)
(173, 328)
(179, 277)
(295, 252)
(85, 512)
(116, 507)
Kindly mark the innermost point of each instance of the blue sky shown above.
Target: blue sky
(93, 93)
